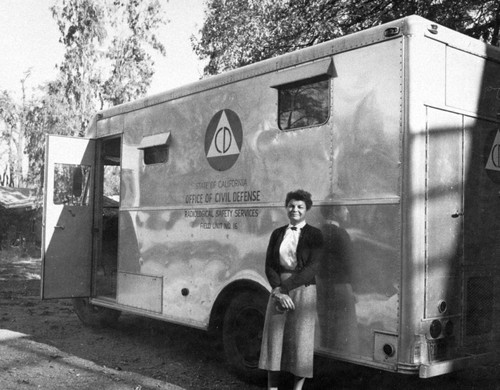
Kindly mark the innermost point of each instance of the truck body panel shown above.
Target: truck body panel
(393, 135)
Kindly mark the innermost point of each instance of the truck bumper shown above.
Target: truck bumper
(440, 368)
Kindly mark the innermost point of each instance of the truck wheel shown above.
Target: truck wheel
(242, 334)
(94, 316)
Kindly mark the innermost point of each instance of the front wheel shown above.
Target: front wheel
(242, 334)
(94, 316)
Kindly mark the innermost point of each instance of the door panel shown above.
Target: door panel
(68, 216)
(444, 212)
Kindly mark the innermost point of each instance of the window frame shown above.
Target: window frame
(65, 189)
(315, 72)
(301, 83)
(155, 142)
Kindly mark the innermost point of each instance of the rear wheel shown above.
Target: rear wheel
(242, 334)
(94, 316)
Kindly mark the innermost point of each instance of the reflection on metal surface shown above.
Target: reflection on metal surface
(401, 161)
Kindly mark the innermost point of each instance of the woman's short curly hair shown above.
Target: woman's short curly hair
(299, 195)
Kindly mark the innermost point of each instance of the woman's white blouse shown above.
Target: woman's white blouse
(288, 248)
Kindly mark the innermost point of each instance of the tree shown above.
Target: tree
(107, 61)
(132, 65)
(11, 138)
(48, 114)
(82, 27)
(240, 32)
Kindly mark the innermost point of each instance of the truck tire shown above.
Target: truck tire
(94, 316)
(242, 334)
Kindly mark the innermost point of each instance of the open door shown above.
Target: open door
(106, 222)
(68, 217)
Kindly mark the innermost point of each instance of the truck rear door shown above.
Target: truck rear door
(68, 217)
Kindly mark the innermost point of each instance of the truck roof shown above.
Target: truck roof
(408, 26)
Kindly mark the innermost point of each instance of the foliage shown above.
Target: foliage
(240, 32)
(8, 110)
(10, 114)
(107, 61)
(47, 115)
(111, 184)
(132, 65)
(81, 24)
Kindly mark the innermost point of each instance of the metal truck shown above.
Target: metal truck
(165, 208)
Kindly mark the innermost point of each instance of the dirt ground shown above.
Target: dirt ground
(151, 348)
(163, 352)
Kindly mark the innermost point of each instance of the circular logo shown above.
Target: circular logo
(223, 140)
(491, 153)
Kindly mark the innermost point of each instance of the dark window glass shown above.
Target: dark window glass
(304, 103)
(156, 154)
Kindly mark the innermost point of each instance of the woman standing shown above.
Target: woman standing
(292, 260)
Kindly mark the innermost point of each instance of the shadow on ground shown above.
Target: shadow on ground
(175, 354)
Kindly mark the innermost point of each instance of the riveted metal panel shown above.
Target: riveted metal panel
(463, 92)
(444, 212)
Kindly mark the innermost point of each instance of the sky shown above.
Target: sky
(29, 38)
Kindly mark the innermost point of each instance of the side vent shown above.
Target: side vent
(479, 314)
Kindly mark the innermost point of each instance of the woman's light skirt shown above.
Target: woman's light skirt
(288, 338)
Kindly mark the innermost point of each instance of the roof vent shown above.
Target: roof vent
(433, 28)
(391, 32)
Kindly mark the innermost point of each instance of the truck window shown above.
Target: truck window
(156, 154)
(71, 184)
(304, 103)
(156, 148)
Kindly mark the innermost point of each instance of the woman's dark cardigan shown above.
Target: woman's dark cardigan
(309, 254)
